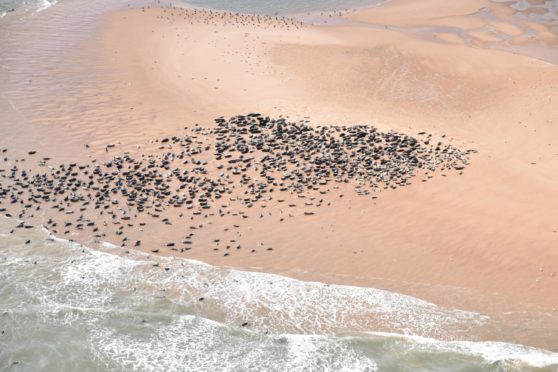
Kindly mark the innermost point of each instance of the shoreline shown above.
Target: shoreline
(448, 340)
(495, 238)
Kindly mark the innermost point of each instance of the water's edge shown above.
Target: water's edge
(154, 313)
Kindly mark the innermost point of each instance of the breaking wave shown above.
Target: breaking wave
(107, 312)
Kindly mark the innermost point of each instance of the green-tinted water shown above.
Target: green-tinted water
(67, 308)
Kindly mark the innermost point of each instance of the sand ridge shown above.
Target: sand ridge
(465, 90)
(491, 230)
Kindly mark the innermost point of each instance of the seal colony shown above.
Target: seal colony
(235, 19)
(248, 159)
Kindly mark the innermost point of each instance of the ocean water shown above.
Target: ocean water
(269, 7)
(65, 307)
(7, 6)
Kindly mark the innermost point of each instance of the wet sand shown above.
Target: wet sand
(483, 240)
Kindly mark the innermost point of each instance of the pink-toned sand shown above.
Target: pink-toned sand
(481, 240)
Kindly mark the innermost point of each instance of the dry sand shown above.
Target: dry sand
(482, 240)
(492, 229)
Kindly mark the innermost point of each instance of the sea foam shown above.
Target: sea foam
(144, 313)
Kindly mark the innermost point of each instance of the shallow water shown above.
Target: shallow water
(66, 307)
(7, 6)
(269, 7)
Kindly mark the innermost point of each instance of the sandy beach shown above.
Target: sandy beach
(481, 238)
(490, 229)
